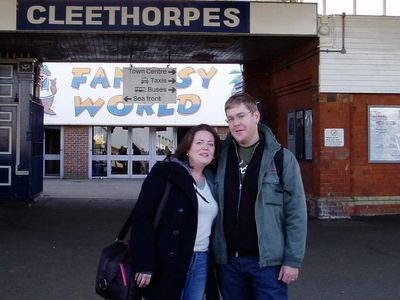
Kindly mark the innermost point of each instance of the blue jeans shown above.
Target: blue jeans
(243, 279)
(196, 277)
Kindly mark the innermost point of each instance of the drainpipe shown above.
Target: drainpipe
(343, 50)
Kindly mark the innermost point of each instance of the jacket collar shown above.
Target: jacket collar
(266, 135)
(209, 174)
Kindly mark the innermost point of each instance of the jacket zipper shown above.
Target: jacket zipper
(240, 187)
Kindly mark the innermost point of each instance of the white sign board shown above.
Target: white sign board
(92, 94)
(149, 85)
(384, 134)
(334, 137)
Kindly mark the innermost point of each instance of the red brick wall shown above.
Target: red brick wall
(370, 179)
(349, 184)
(76, 151)
(289, 83)
(339, 181)
(334, 162)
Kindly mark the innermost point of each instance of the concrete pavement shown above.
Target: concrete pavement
(50, 249)
(92, 189)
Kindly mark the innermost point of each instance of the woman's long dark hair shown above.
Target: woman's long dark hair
(185, 144)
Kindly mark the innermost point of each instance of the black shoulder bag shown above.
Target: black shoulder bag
(115, 278)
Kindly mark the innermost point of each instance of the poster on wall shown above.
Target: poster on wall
(292, 132)
(384, 134)
(92, 94)
(308, 134)
(299, 134)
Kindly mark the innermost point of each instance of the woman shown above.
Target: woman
(171, 262)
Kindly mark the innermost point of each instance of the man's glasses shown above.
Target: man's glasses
(239, 117)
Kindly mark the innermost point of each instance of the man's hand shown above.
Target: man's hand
(288, 274)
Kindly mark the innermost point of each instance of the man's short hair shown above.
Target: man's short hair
(242, 98)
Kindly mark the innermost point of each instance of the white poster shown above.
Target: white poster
(384, 133)
(334, 137)
(91, 94)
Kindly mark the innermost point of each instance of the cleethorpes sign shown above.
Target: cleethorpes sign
(136, 16)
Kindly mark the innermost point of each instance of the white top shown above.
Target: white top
(206, 215)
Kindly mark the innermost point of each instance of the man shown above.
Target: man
(260, 234)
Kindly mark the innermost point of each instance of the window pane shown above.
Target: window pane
(370, 7)
(99, 168)
(119, 140)
(292, 132)
(337, 7)
(299, 135)
(119, 167)
(52, 168)
(165, 141)
(140, 141)
(52, 141)
(392, 8)
(308, 134)
(99, 142)
(140, 167)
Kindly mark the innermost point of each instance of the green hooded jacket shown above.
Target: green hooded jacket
(281, 217)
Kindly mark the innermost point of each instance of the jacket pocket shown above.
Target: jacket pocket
(272, 191)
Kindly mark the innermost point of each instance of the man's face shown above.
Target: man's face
(243, 124)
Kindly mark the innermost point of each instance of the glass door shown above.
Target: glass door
(165, 142)
(129, 152)
(99, 151)
(119, 149)
(129, 149)
(140, 158)
(53, 152)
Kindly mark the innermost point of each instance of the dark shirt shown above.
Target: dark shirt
(239, 216)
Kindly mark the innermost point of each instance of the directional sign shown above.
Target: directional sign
(149, 85)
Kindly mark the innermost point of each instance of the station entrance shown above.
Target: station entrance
(278, 53)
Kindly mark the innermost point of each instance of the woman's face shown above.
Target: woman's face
(201, 152)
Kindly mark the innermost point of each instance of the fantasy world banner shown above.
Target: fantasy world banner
(91, 94)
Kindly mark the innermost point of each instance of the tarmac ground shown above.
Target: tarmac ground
(49, 249)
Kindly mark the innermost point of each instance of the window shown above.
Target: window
(357, 7)
(300, 133)
(99, 141)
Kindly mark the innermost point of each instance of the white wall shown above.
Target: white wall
(371, 63)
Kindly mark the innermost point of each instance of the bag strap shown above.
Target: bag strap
(125, 228)
(278, 159)
(161, 206)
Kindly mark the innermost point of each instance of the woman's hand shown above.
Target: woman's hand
(142, 279)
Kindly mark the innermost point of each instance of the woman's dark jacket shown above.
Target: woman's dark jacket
(166, 252)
